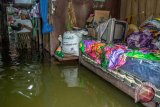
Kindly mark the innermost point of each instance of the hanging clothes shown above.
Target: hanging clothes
(47, 28)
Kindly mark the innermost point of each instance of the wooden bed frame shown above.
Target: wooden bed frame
(114, 81)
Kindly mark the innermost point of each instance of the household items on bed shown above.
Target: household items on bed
(141, 39)
(147, 36)
(108, 56)
(93, 48)
(114, 56)
(144, 54)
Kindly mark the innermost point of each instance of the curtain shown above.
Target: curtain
(137, 11)
(47, 28)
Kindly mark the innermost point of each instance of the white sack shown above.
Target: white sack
(70, 42)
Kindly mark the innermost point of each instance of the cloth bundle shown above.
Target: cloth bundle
(108, 56)
(93, 48)
(85, 45)
(147, 37)
(145, 54)
(152, 25)
(116, 56)
(142, 39)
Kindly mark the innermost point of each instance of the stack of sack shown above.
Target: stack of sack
(70, 43)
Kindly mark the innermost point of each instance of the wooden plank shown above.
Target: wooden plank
(66, 57)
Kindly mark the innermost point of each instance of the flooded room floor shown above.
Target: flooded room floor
(30, 79)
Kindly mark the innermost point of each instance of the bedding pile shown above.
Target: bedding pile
(114, 56)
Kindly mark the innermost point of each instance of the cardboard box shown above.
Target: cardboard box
(101, 16)
(95, 19)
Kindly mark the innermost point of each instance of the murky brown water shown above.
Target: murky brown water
(35, 81)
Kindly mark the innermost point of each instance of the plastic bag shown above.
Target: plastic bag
(59, 52)
(59, 49)
(70, 42)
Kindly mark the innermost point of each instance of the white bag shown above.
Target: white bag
(70, 42)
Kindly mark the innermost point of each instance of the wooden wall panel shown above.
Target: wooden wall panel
(114, 7)
(58, 21)
(82, 10)
(139, 10)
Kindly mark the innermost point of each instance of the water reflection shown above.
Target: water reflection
(88, 90)
(70, 75)
(20, 73)
(27, 81)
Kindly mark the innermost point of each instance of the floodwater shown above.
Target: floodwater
(31, 79)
